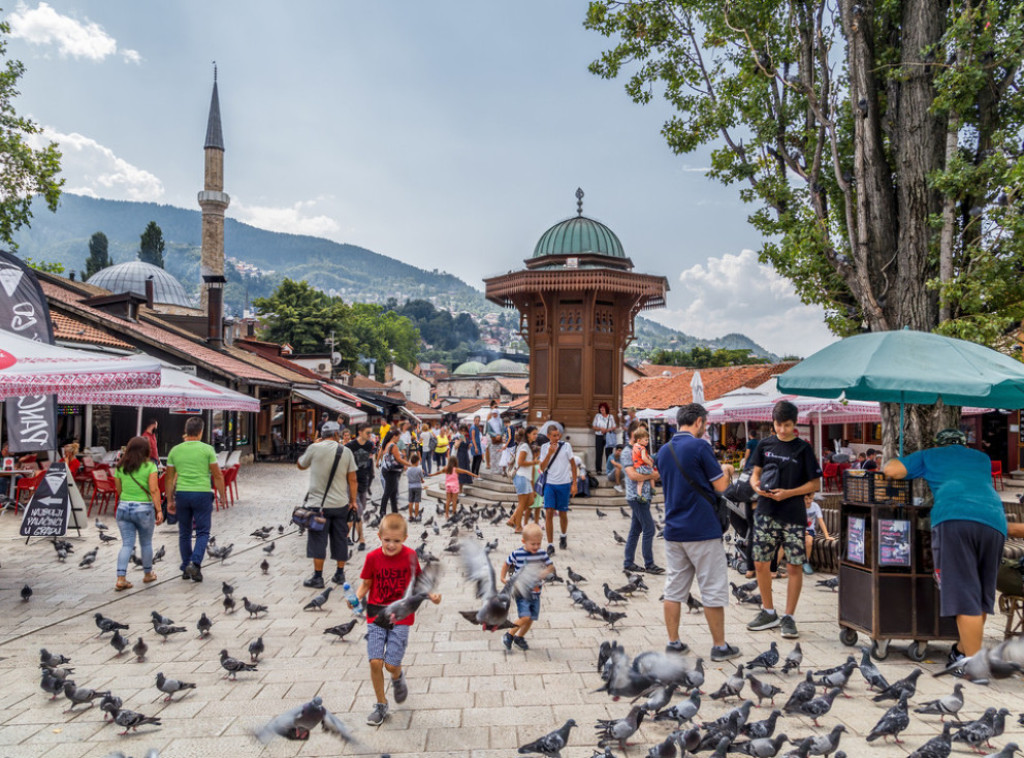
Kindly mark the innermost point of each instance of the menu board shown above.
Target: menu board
(893, 542)
(855, 539)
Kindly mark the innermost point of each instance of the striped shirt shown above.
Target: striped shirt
(520, 557)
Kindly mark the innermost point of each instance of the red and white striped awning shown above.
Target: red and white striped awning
(177, 389)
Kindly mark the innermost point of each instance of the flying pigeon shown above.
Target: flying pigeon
(493, 613)
(297, 724)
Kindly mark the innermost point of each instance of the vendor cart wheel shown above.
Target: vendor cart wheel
(847, 636)
(916, 650)
(880, 650)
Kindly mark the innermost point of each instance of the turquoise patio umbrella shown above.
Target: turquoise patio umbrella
(906, 366)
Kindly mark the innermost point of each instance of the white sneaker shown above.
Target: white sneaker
(619, 488)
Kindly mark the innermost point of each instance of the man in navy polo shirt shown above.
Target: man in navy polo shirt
(693, 536)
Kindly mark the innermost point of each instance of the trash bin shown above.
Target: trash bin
(886, 586)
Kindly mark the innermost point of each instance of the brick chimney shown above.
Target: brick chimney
(149, 292)
(214, 285)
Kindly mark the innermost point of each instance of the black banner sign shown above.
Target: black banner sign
(31, 421)
(47, 513)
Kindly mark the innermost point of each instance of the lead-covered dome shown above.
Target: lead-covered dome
(469, 368)
(505, 367)
(132, 276)
(579, 236)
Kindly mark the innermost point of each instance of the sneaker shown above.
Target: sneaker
(654, 569)
(789, 630)
(399, 689)
(551, 549)
(808, 568)
(764, 620)
(727, 653)
(194, 573)
(954, 655)
(378, 714)
(506, 640)
(619, 488)
(561, 543)
(362, 546)
(633, 567)
(339, 576)
(677, 646)
(316, 581)
(520, 643)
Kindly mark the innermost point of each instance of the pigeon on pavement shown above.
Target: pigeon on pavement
(52, 684)
(233, 666)
(118, 642)
(838, 678)
(227, 589)
(317, 603)
(78, 695)
(264, 565)
(101, 526)
(612, 596)
(107, 625)
(893, 721)
(26, 593)
(978, 731)
(107, 538)
(665, 749)
(794, 659)
(204, 625)
(256, 649)
(254, 609)
(110, 705)
(619, 730)
(732, 686)
(907, 684)
(270, 548)
(763, 690)
(573, 576)
(166, 630)
(160, 619)
(937, 747)
(761, 729)
(829, 584)
(825, 744)
(802, 693)
(89, 558)
(659, 698)
(171, 686)
(765, 660)
(550, 744)
(871, 673)
(681, 712)
(947, 705)
(140, 648)
(47, 658)
(819, 706)
(229, 604)
(131, 720)
(341, 629)
(762, 747)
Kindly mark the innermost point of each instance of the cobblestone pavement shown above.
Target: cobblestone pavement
(467, 695)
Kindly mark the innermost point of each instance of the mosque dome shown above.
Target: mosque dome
(131, 277)
(579, 236)
(469, 368)
(505, 367)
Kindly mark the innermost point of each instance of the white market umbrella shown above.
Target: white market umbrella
(177, 389)
(697, 388)
(29, 368)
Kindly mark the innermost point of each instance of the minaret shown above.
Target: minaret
(214, 201)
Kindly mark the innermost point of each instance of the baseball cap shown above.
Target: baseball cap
(330, 428)
(950, 437)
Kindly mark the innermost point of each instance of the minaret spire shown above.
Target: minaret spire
(214, 136)
(214, 201)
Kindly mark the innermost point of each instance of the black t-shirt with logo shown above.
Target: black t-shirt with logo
(363, 453)
(797, 466)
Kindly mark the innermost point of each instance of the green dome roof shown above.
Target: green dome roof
(577, 236)
(503, 366)
(469, 368)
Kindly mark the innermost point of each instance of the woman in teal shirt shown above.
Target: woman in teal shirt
(137, 513)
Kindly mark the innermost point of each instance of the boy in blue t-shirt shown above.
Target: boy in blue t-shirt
(613, 469)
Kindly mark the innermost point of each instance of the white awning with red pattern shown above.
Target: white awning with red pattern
(177, 389)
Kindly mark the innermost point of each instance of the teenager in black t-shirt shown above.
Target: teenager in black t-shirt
(362, 450)
(787, 466)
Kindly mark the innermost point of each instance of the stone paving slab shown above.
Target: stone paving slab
(468, 696)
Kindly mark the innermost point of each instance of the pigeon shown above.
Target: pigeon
(763, 690)
(612, 596)
(838, 678)
(681, 712)
(793, 660)
(802, 693)
(170, 686)
(732, 686)
(908, 684)
(693, 604)
(493, 614)
(1008, 751)
(107, 538)
(871, 673)
(819, 706)
(107, 625)
(979, 731)
(342, 629)
(46, 658)
(159, 554)
(983, 666)
(659, 698)
(829, 584)
(803, 749)
(767, 659)
(317, 603)
(550, 744)
(131, 720)
(623, 513)
(101, 526)
(763, 747)
(666, 749)
(158, 619)
(256, 649)
(140, 648)
(940, 746)
(618, 537)
(619, 730)
(229, 604)
(947, 705)
(89, 558)
(297, 724)
(600, 513)
(825, 744)
(761, 729)
(611, 617)
(573, 576)
(166, 630)
(692, 679)
(204, 625)
(234, 666)
(999, 724)
(78, 695)
(893, 721)
(626, 678)
(227, 589)
(52, 684)
(110, 705)
(254, 609)
(118, 642)
(265, 566)
(731, 721)
(26, 593)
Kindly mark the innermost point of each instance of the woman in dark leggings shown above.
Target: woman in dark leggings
(392, 465)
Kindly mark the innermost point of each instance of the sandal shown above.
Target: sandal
(150, 577)
(122, 584)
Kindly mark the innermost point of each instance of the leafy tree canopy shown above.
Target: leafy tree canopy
(99, 255)
(704, 357)
(151, 245)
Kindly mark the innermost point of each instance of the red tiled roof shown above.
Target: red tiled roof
(660, 392)
(514, 386)
(71, 329)
(466, 406)
(361, 382)
(271, 352)
(422, 411)
(655, 369)
(519, 405)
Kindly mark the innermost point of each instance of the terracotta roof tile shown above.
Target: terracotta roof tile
(71, 329)
(660, 392)
(423, 411)
(466, 406)
(514, 386)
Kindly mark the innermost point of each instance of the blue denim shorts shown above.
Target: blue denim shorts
(387, 645)
(529, 606)
(523, 486)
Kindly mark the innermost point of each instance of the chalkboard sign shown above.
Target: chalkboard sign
(48, 511)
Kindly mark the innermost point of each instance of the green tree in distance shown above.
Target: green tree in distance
(151, 245)
(705, 357)
(99, 257)
(879, 142)
(25, 172)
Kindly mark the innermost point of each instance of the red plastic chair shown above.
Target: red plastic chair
(234, 480)
(104, 489)
(831, 476)
(231, 483)
(27, 484)
(997, 474)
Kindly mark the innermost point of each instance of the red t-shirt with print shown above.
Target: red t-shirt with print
(391, 576)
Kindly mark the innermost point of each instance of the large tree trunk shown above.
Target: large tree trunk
(920, 424)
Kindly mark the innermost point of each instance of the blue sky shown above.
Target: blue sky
(449, 135)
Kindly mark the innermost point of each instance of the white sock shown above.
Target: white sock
(769, 610)
(563, 535)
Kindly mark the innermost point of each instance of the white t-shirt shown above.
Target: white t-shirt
(560, 468)
(813, 514)
(319, 458)
(524, 471)
(581, 470)
(603, 424)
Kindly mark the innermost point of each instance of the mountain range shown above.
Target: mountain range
(354, 273)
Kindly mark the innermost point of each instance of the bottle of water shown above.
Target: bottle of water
(350, 596)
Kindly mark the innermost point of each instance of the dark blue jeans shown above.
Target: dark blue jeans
(195, 510)
(642, 521)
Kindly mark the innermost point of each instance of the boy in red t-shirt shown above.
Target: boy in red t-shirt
(387, 573)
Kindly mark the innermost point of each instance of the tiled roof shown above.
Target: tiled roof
(514, 386)
(660, 392)
(422, 411)
(466, 406)
(519, 405)
(71, 329)
(361, 382)
(270, 352)
(655, 369)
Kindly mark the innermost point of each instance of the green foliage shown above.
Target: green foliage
(50, 267)
(25, 172)
(704, 357)
(99, 255)
(438, 327)
(151, 245)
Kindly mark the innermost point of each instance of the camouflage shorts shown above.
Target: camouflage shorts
(770, 534)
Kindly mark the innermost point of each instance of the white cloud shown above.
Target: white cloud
(736, 293)
(294, 219)
(90, 168)
(43, 25)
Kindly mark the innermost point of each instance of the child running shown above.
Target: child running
(527, 607)
(387, 573)
(452, 486)
(414, 475)
(815, 518)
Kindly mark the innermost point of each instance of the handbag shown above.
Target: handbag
(740, 490)
(314, 519)
(542, 480)
(716, 501)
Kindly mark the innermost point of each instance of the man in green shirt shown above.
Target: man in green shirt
(191, 465)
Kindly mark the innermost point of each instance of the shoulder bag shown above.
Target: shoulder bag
(542, 480)
(313, 518)
(716, 501)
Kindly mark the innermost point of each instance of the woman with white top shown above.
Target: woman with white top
(603, 425)
(523, 479)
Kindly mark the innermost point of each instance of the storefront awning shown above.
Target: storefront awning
(323, 400)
